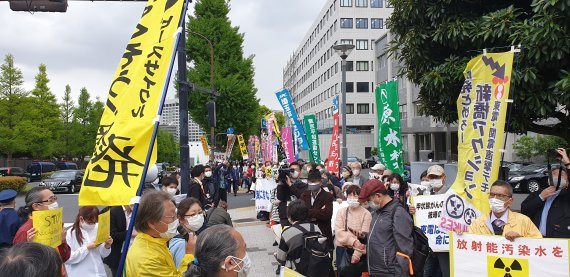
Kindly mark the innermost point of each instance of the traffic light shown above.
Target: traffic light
(38, 5)
(211, 107)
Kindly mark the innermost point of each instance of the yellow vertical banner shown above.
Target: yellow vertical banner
(123, 138)
(482, 109)
(205, 145)
(49, 227)
(242, 147)
(103, 227)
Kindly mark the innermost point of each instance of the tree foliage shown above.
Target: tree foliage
(237, 107)
(66, 111)
(12, 96)
(436, 39)
(527, 147)
(167, 149)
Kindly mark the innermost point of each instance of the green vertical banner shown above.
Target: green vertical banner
(313, 137)
(389, 132)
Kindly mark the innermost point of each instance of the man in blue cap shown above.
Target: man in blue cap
(10, 222)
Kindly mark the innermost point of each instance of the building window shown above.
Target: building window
(361, 3)
(346, 41)
(362, 109)
(362, 66)
(349, 108)
(361, 44)
(346, 23)
(376, 3)
(349, 66)
(376, 23)
(362, 87)
(349, 87)
(403, 112)
(346, 3)
(362, 23)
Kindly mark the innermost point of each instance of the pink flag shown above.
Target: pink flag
(287, 138)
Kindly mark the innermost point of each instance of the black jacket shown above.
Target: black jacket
(195, 190)
(284, 196)
(558, 220)
(118, 233)
(298, 188)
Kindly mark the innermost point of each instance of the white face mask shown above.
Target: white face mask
(497, 205)
(374, 175)
(436, 183)
(87, 227)
(53, 206)
(353, 202)
(208, 174)
(345, 174)
(172, 230)
(295, 174)
(195, 222)
(425, 184)
(242, 265)
(252, 166)
(356, 172)
(394, 186)
(171, 191)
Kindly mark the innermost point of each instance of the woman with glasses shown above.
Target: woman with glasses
(86, 256)
(39, 199)
(191, 218)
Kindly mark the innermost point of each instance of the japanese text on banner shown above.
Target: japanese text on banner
(242, 147)
(482, 109)
(287, 103)
(428, 218)
(334, 150)
(389, 133)
(114, 172)
(103, 227)
(313, 136)
(205, 145)
(287, 138)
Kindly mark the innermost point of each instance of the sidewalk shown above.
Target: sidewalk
(259, 240)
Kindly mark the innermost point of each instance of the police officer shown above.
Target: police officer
(10, 222)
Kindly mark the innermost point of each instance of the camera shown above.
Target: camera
(285, 170)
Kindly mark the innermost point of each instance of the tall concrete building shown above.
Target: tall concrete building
(313, 73)
(170, 121)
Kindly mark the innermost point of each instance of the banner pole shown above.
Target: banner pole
(126, 244)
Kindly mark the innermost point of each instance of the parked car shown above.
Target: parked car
(35, 169)
(372, 161)
(362, 163)
(66, 165)
(64, 181)
(13, 171)
(529, 178)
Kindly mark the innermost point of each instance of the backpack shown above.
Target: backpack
(421, 249)
(315, 259)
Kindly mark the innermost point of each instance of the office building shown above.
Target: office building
(170, 121)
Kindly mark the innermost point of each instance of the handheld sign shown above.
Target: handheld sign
(49, 227)
(104, 227)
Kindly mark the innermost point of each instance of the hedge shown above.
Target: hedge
(13, 182)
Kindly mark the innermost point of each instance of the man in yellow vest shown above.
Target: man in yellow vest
(501, 220)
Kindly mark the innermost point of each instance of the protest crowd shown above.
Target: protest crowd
(371, 233)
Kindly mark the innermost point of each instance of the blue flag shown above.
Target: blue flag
(285, 99)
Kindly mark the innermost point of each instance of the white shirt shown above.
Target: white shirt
(128, 221)
(84, 262)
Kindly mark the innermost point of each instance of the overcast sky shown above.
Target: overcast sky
(83, 47)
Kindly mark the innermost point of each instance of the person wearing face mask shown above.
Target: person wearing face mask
(351, 226)
(39, 199)
(390, 242)
(328, 186)
(320, 204)
(86, 257)
(399, 189)
(377, 171)
(296, 185)
(196, 188)
(501, 221)
(345, 174)
(357, 178)
(250, 177)
(208, 184)
(436, 177)
(170, 185)
(220, 252)
(191, 222)
(120, 218)
(156, 223)
(548, 208)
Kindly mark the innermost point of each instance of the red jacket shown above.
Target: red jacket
(22, 236)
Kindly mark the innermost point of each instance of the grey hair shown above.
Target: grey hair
(30, 259)
(151, 209)
(500, 183)
(213, 246)
(32, 197)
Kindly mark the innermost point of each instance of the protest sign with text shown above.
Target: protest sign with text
(263, 190)
(49, 226)
(428, 218)
(103, 227)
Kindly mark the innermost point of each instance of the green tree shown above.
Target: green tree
(435, 40)
(11, 108)
(545, 143)
(237, 106)
(66, 111)
(525, 147)
(167, 149)
(83, 138)
(43, 121)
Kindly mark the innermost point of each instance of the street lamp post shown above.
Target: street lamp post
(343, 50)
(211, 103)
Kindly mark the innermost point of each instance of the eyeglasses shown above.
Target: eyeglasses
(500, 196)
(49, 200)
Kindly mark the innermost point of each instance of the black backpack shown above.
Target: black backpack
(421, 248)
(315, 259)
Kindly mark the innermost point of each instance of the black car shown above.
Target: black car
(13, 171)
(529, 178)
(64, 181)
